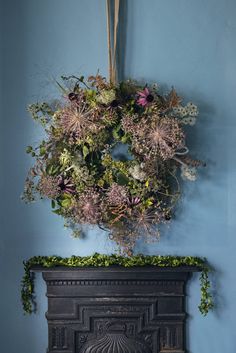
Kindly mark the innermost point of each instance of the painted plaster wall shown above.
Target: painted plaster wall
(186, 43)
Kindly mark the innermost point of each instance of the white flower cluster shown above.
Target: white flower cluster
(106, 96)
(188, 114)
(137, 173)
(188, 173)
(71, 162)
(65, 158)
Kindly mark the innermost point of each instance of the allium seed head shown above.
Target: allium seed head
(48, 187)
(117, 194)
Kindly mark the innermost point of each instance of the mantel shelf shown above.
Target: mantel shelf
(114, 268)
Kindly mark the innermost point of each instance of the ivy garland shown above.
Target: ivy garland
(99, 260)
(78, 167)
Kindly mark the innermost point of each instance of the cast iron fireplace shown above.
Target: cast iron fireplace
(116, 309)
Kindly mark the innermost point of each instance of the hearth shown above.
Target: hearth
(116, 309)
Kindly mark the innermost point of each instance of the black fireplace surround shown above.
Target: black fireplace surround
(116, 309)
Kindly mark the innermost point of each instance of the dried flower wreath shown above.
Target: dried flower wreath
(78, 166)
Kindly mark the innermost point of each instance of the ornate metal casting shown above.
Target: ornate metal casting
(116, 310)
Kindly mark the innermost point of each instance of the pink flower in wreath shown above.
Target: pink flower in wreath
(145, 97)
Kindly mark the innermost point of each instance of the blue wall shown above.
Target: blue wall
(187, 43)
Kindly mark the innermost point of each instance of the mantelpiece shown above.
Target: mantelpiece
(116, 309)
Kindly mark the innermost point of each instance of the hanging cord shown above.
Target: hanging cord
(112, 29)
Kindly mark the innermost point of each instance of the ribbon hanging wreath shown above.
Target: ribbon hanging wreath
(112, 29)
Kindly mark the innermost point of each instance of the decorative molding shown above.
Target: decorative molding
(115, 340)
(58, 337)
(118, 315)
(112, 283)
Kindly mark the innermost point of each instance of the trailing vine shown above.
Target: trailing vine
(99, 260)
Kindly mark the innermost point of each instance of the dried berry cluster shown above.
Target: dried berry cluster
(79, 168)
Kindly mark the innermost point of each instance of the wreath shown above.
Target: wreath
(113, 156)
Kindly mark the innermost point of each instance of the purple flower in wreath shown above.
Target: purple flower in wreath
(66, 185)
(133, 201)
(145, 97)
(72, 96)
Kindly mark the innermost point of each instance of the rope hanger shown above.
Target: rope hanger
(112, 29)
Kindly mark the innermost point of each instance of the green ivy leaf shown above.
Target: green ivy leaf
(122, 179)
(66, 203)
(85, 151)
(29, 149)
(58, 211)
(116, 132)
(42, 150)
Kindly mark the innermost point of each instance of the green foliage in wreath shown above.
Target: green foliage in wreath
(78, 167)
(99, 260)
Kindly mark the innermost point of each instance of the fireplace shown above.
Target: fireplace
(116, 309)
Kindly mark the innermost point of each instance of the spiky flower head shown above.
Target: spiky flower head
(162, 136)
(145, 222)
(87, 209)
(48, 187)
(117, 194)
(128, 123)
(78, 119)
(165, 137)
